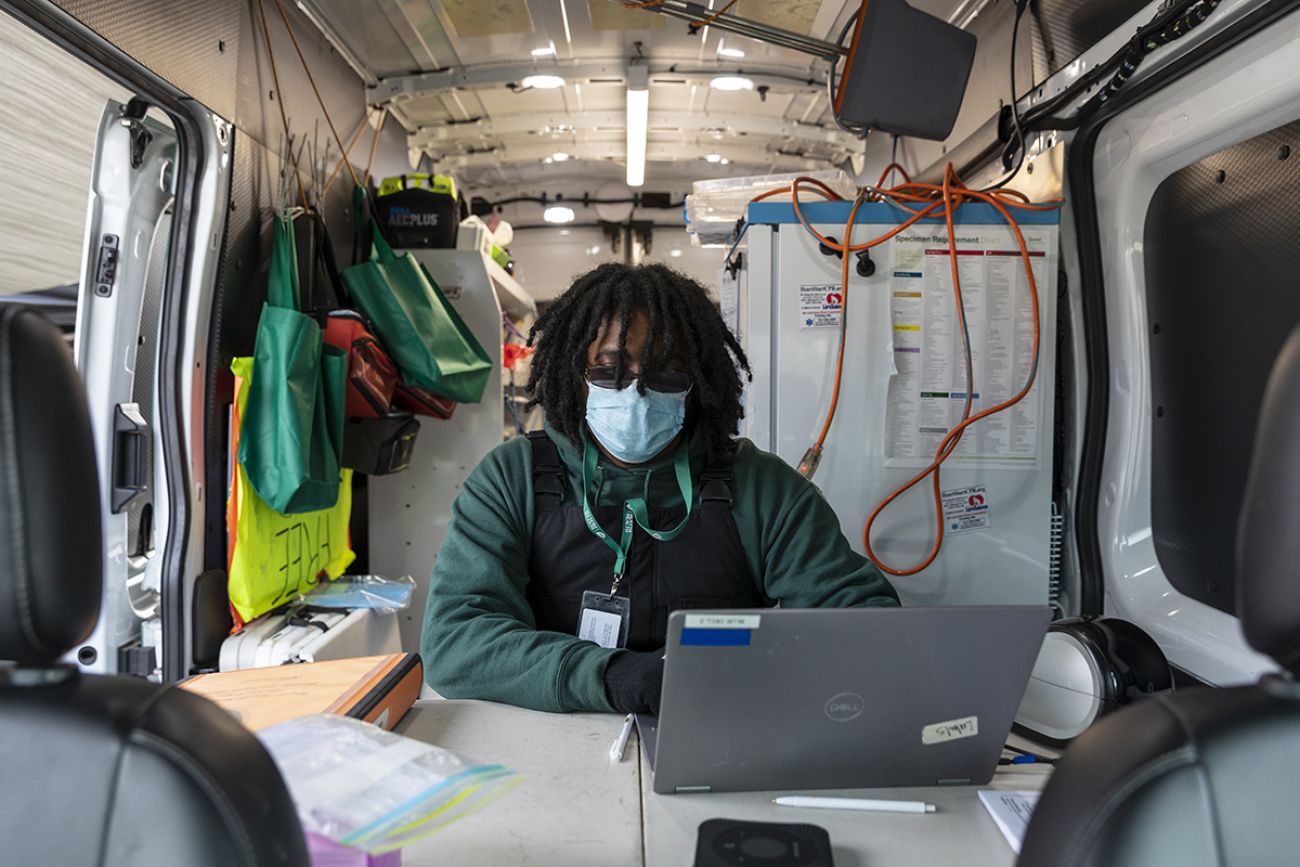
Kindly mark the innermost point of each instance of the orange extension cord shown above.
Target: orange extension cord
(920, 201)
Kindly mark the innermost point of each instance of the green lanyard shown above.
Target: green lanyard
(633, 510)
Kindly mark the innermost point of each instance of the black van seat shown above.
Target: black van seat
(1204, 777)
(99, 770)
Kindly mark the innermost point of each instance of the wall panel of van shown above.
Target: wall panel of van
(215, 51)
(1052, 33)
(1221, 264)
(191, 43)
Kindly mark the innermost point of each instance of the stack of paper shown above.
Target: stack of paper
(1011, 811)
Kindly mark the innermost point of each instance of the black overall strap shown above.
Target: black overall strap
(548, 469)
(715, 484)
(549, 476)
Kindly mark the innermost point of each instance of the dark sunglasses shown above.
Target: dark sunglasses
(662, 381)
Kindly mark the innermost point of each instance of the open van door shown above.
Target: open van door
(128, 232)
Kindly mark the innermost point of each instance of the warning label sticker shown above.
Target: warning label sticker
(966, 509)
(821, 306)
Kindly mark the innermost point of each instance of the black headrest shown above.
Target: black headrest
(50, 548)
(1268, 534)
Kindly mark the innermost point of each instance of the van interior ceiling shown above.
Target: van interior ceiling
(844, 408)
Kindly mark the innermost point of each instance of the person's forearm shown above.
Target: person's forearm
(482, 655)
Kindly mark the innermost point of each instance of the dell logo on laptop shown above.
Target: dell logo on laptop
(845, 706)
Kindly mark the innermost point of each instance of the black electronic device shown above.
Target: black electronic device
(728, 842)
(906, 72)
(380, 446)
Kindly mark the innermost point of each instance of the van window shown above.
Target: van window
(88, 173)
(50, 109)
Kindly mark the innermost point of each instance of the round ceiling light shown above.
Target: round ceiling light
(558, 214)
(544, 82)
(731, 83)
(713, 158)
(560, 157)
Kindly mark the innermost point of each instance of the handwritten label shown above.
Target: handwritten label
(723, 621)
(307, 550)
(952, 730)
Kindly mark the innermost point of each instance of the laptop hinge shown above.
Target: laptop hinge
(683, 790)
(956, 781)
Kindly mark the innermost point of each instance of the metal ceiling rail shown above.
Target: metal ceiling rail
(401, 88)
(724, 126)
(967, 12)
(701, 15)
(520, 156)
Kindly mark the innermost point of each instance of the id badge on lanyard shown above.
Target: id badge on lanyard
(604, 617)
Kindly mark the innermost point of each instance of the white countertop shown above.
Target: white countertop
(574, 807)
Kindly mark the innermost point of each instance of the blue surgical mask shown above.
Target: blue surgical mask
(631, 426)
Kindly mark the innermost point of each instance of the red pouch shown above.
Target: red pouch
(422, 401)
(372, 376)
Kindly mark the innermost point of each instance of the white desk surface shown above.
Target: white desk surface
(959, 833)
(576, 808)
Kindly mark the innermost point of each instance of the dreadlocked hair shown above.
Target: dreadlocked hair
(683, 324)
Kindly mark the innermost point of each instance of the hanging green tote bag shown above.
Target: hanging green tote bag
(292, 433)
(422, 332)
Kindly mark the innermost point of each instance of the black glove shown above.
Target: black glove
(634, 681)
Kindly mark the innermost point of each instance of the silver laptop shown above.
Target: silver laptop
(838, 698)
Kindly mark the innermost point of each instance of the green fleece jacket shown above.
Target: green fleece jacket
(479, 638)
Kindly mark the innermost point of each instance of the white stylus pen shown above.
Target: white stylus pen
(616, 751)
(854, 804)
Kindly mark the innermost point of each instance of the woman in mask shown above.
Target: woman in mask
(568, 548)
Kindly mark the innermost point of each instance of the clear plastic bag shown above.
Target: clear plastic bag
(362, 786)
(362, 591)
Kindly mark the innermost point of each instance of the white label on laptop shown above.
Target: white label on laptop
(599, 626)
(952, 730)
(966, 509)
(723, 621)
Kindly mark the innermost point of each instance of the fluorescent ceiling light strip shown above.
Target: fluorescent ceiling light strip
(568, 36)
(638, 123)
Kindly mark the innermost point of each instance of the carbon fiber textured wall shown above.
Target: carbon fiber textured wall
(1221, 265)
(191, 43)
(215, 51)
(1066, 28)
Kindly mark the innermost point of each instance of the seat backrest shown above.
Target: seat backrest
(99, 770)
(1204, 777)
